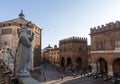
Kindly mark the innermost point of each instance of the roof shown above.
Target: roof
(48, 48)
(21, 19)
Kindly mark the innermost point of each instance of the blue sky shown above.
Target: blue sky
(61, 19)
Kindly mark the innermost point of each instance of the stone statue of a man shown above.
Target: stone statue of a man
(24, 52)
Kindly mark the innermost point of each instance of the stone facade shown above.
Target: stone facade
(54, 56)
(73, 53)
(46, 56)
(51, 55)
(9, 31)
(105, 48)
(45, 53)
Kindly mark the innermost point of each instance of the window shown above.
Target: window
(9, 24)
(100, 46)
(20, 25)
(3, 25)
(117, 44)
(7, 31)
(80, 49)
(61, 50)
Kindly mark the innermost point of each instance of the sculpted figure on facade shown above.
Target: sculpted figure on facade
(24, 52)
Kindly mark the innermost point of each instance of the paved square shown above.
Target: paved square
(53, 76)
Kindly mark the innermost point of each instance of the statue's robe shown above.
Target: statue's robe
(24, 51)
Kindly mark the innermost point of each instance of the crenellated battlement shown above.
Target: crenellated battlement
(74, 39)
(108, 26)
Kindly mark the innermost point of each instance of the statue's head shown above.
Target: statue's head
(23, 29)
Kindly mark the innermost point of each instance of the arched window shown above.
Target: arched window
(100, 45)
(117, 44)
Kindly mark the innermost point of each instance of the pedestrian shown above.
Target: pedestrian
(40, 72)
(44, 78)
(73, 70)
(43, 73)
(63, 69)
(81, 74)
(44, 66)
(74, 75)
(84, 74)
(61, 77)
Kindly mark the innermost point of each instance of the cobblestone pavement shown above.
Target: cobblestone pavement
(50, 75)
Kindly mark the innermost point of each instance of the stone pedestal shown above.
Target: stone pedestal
(27, 80)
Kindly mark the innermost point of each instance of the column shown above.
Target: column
(110, 70)
(74, 63)
(98, 67)
(94, 68)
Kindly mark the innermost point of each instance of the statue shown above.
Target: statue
(24, 52)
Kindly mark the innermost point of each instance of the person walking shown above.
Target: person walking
(61, 77)
(44, 79)
(74, 75)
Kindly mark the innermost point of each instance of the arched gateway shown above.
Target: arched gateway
(102, 66)
(69, 63)
(62, 62)
(79, 63)
(116, 67)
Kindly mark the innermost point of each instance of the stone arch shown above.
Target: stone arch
(69, 64)
(79, 63)
(62, 62)
(116, 67)
(90, 68)
(69, 61)
(102, 66)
